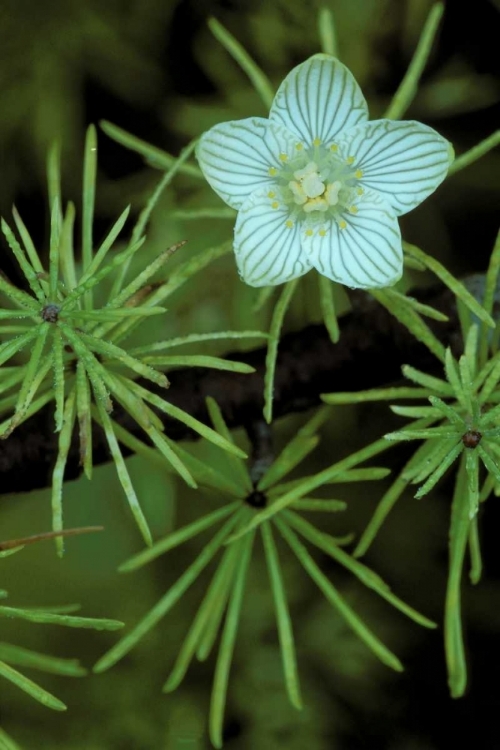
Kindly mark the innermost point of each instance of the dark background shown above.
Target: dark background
(148, 67)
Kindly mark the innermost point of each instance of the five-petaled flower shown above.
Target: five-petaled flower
(317, 184)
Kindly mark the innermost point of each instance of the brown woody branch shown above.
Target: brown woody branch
(371, 350)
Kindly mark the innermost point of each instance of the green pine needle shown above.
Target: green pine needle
(226, 648)
(283, 618)
(272, 346)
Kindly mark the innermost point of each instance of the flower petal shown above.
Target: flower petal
(236, 156)
(318, 99)
(403, 161)
(267, 241)
(361, 250)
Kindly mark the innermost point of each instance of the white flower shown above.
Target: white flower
(318, 186)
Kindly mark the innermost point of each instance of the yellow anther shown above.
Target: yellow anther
(360, 191)
(317, 142)
(289, 224)
(353, 209)
(299, 146)
(358, 174)
(322, 232)
(309, 232)
(272, 171)
(283, 157)
(275, 204)
(271, 194)
(342, 224)
(334, 147)
(350, 160)
(315, 204)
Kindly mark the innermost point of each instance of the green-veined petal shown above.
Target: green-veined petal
(403, 161)
(236, 157)
(267, 241)
(318, 99)
(362, 250)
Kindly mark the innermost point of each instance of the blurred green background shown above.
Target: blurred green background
(153, 68)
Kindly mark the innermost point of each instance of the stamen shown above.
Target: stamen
(342, 224)
(283, 157)
(358, 174)
(316, 204)
(275, 204)
(299, 196)
(317, 142)
(350, 160)
(332, 193)
(272, 171)
(289, 224)
(310, 168)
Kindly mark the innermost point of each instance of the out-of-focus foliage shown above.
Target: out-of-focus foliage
(51, 52)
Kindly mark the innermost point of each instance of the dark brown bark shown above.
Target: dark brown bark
(372, 348)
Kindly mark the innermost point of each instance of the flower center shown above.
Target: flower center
(317, 185)
(310, 190)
